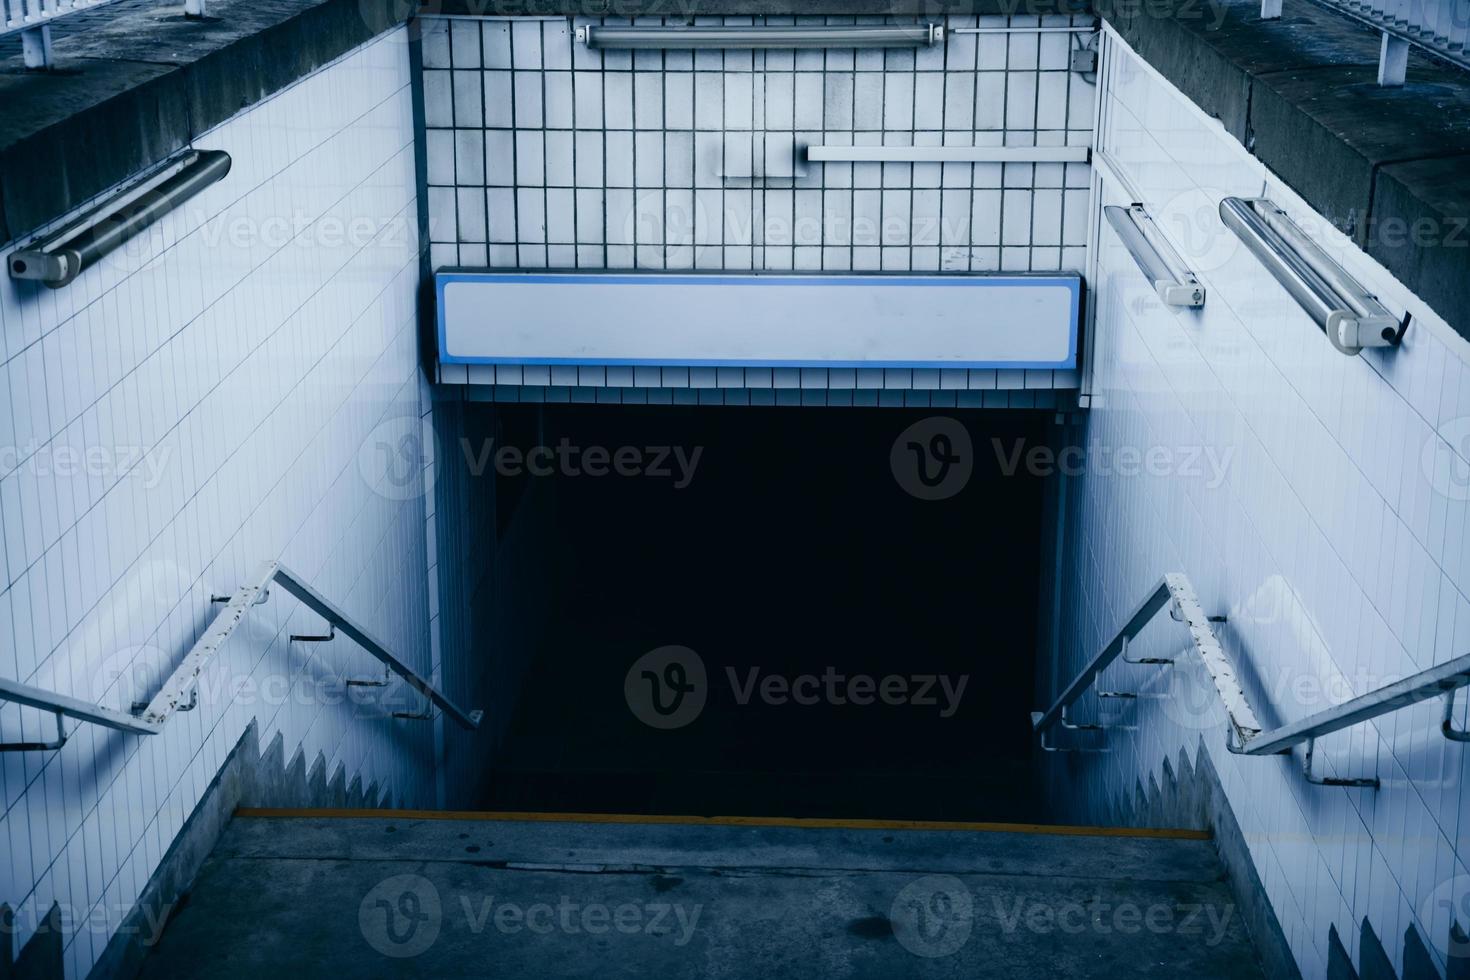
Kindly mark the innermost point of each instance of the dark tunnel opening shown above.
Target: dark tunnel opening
(761, 612)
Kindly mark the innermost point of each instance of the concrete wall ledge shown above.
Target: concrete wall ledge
(137, 81)
(1388, 166)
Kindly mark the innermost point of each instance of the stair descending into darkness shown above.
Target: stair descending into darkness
(406, 893)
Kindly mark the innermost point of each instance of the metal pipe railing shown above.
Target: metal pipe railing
(32, 19)
(64, 707)
(180, 692)
(1441, 680)
(1174, 591)
(1440, 27)
(1245, 735)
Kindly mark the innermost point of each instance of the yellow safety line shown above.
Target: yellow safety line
(816, 823)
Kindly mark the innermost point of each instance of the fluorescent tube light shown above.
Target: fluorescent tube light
(1348, 314)
(825, 153)
(60, 257)
(1174, 288)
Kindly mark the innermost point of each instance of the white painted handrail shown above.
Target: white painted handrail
(1245, 734)
(180, 691)
(1173, 590)
(1440, 27)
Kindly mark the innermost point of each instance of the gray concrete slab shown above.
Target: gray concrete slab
(467, 916)
(1420, 227)
(1326, 132)
(641, 846)
(136, 81)
(1212, 51)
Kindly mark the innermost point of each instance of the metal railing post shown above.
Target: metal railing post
(180, 692)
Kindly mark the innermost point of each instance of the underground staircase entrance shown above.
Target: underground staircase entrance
(780, 612)
(761, 713)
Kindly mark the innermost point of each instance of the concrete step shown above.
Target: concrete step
(405, 894)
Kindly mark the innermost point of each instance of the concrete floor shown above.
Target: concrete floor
(396, 895)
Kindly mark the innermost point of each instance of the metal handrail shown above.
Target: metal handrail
(24, 15)
(63, 706)
(1244, 734)
(181, 691)
(32, 20)
(1432, 26)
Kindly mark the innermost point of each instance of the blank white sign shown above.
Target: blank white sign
(970, 321)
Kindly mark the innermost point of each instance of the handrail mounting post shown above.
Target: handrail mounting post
(1447, 727)
(1367, 783)
(61, 736)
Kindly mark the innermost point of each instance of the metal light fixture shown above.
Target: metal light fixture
(1350, 316)
(846, 36)
(1148, 251)
(60, 257)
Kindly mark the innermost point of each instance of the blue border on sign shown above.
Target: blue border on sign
(1071, 281)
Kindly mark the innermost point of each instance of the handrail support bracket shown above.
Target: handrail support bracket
(61, 736)
(1310, 745)
(1447, 727)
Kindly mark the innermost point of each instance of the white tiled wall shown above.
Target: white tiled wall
(250, 345)
(811, 387)
(543, 153)
(1335, 543)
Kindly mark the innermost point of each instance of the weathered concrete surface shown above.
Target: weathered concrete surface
(1212, 51)
(137, 81)
(247, 777)
(1301, 94)
(635, 846)
(381, 897)
(1186, 792)
(1420, 227)
(1327, 131)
